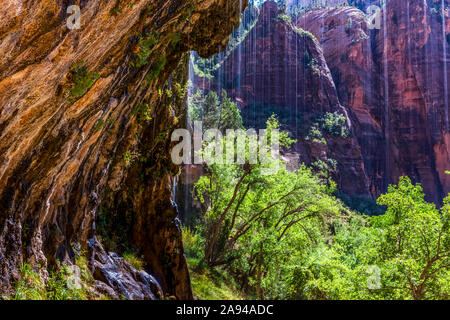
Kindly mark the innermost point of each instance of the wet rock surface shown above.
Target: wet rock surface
(62, 151)
(281, 69)
(117, 278)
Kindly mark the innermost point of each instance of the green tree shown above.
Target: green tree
(249, 215)
(403, 254)
(230, 116)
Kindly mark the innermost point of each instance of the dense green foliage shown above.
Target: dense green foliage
(334, 124)
(252, 215)
(207, 284)
(324, 251)
(414, 246)
(62, 284)
(143, 49)
(290, 234)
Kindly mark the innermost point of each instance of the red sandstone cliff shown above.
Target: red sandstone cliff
(393, 82)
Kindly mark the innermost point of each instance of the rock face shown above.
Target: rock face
(349, 55)
(394, 83)
(85, 116)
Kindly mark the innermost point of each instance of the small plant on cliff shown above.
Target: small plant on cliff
(108, 124)
(285, 17)
(180, 90)
(143, 49)
(324, 167)
(315, 135)
(174, 38)
(127, 158)
(120, 5)
(83, 80)
(142, 112)
(314, 66)
(303, 32)
(115, 10)
(335, 124)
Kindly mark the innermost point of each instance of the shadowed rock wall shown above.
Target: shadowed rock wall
(64, 153)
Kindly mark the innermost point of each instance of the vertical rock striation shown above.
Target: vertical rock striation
(390, 83)
(394, 83)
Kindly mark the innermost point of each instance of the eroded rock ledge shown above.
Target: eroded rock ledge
(85, 121)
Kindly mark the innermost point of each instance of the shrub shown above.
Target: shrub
(31, 287)
(314, 134)
(156, 68)
(193, 248)
(142, 111)
(334, 124)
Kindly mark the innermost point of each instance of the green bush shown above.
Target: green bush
(194, 248)
(142, 111)
(156, 68)
(30, 285)
(315, 135)
(83, 80)
(134, 260)
(334, 124)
